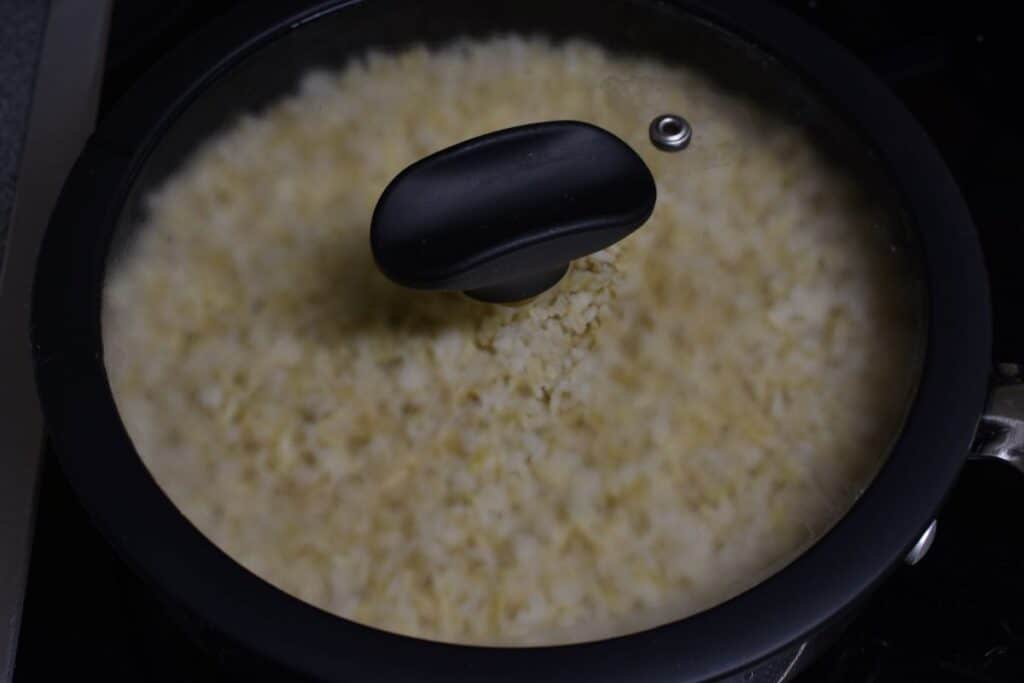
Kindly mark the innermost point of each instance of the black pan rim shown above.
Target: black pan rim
(147, 530)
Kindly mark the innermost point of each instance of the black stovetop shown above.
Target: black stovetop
(956, 616)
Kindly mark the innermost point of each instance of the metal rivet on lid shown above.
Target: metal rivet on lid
(670, 132)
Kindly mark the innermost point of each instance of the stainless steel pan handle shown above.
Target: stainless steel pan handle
(1000, 433)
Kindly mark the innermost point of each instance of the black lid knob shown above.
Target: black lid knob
(502, 215)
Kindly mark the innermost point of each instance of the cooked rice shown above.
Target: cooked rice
(676, 420)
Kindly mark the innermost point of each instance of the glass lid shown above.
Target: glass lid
(705, 388)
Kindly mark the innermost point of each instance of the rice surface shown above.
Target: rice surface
(683, 414)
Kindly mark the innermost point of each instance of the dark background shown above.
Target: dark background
(957, 616)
